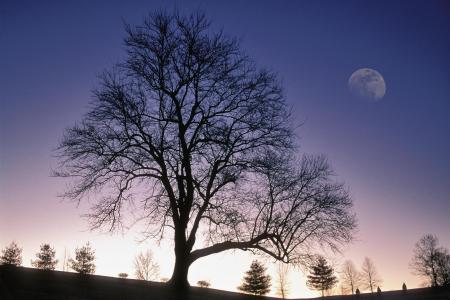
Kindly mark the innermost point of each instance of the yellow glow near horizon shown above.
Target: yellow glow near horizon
(115, 254)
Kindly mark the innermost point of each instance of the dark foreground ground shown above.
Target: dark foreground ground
(26, 283)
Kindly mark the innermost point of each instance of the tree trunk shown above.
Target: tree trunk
(179, 280)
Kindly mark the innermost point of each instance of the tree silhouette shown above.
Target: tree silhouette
(11, 255)
(350, 277)
(404, 287)
(256, 281)
(84, 260)
(45, 258)
(369, 275)
(145, 267)
(443, 267)
(378, 291)
(189, 126)
(431, 261)
(282, 287)
(321, 276)
(123, 275)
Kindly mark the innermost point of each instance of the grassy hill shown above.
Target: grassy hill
(26, 283)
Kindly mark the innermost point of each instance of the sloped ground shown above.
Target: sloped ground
(26, 283)
(412, 294)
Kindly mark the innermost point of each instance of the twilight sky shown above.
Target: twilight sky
(393, 154)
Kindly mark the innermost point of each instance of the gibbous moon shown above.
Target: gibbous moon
(367, 84)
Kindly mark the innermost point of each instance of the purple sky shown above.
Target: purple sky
(393, 154)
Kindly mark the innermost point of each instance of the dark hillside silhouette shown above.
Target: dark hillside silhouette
(17, 283)
(189, 119)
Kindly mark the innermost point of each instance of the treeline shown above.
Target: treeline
(46, 258)
(430, 261)
(84, 262)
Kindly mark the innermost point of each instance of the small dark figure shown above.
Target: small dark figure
(357, 292)
(404, 287)
(378, 291)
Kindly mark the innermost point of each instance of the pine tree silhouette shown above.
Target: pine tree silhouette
(256, 281)
(321, 276)
(45, 258)
(11, 255)
(84, 260)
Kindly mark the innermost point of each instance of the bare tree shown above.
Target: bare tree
(430, 261)
(443, 267)
(344, 290)
(369, 275)
(145, 266)
(65, 261)
(350, 277)
(192, 133)
(282, 280)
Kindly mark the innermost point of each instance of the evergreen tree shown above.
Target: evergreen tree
(357, 292)
(321, 276)
(378, 291)
(404, 288)
(84, 260)
(11, 255)
(256, 281)
(45, 258)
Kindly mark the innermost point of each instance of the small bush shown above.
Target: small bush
(203, 284)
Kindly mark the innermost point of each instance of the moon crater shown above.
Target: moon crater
(367, 84)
